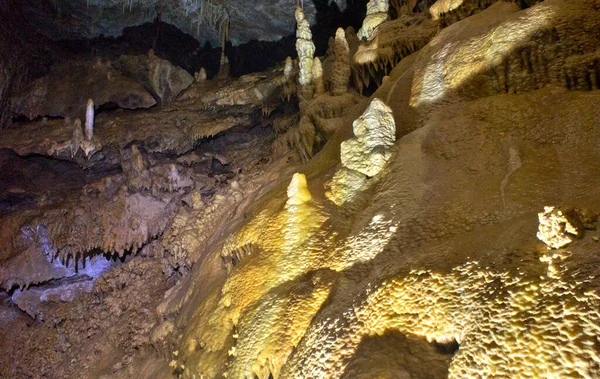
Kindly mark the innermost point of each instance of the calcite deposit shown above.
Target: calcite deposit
(421, 203)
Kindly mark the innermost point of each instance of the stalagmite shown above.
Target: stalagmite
(297, 191)
(377, 13)
(306, 50)
(137, 160)
(224, 72)
(89, 120)
(375, 134)
(365, 155)
(77, 137)
(340, 75)
(288, 69)
(317, 71)
(200, 75)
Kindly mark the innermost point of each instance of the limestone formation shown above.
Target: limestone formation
(288, 67)
(159, 76)
(229, 233)
(306, 50)
(374, 135)
(200, 76)
(297, 191)
(224, 70)
(396, 40)
(61, 94)
(317, 73)
(556, 229)
(472, 70)
(89, 120)
(449, 11)
(77, 139)
(377, 13)
(340, 73)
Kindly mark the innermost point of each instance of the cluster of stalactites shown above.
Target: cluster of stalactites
(377, 13)
(306, 51)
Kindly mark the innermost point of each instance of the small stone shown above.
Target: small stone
(596, 239)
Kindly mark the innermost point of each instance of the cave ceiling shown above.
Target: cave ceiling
(266, 20)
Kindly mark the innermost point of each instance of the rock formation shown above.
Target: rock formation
(317, 74)
(556, 229)
(306, 50)
(280, 224)
(61, 94)
(223, 68)
(89, 120)
(297, 191)
(159, 76)
(377, 13)
(340, 73)
(200, 75)
(374, 135)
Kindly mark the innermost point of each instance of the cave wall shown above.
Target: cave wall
(24, 55)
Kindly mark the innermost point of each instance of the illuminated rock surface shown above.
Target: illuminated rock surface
(446, 226)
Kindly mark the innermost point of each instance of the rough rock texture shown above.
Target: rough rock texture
(395, 41)
(52, 95)
(374, 136)
(159, 130)
(317, 73)
(268, 20)
(541, 45)
(159, 76)
(556, 229)
(425, 264)
(306, 50)
(443, 247)
(99, 333)
(377, 14)
(340, 72)
(78, 247)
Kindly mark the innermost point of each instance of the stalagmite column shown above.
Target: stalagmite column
(377, 13)
(340, 75)
(289, 84)
(77, 138)
(374, 136)
(306, 50)
(366, 154)
(288, 69)
(200, 76)
(317, 71)
(224, 69)
(297, 191)
(89, 120)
